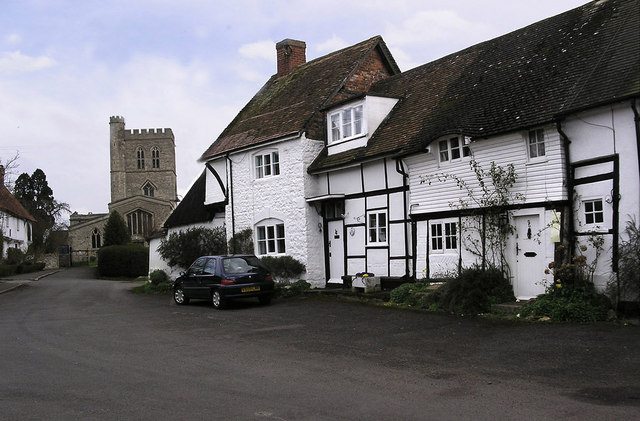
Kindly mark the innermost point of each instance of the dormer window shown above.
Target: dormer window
(452, 149)
(346, 123)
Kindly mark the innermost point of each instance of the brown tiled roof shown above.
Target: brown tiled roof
(11, 205)
(291, 104)
(582, 58)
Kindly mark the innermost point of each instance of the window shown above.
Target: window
(140, 158)
(377, 227)
(270, 238)
(593, 211)
(444, 236)
(95, 239)
(155, 157)
(148, 190)
(334, 209)
(347, 122)
(209, 267)
(452, 148)
(267, 165)
(536, 143)
(140, 222)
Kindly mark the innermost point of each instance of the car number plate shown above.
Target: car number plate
(250, 289)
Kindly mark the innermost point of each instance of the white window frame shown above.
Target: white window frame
(377, 227)
(444, 236)
(346, 123)
(270, 238)
(266, 164)
(536, 148)
(594, 212)
(453, 145)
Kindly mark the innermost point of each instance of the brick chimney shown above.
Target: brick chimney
(291, 54)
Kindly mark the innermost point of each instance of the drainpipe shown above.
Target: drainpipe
(231, 202)
(636, 119)
(400, 169)
(569, 178)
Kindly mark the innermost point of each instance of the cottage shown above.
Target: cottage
(15, 221)
(514, 153)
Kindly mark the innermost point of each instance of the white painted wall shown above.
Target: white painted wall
(15, 231)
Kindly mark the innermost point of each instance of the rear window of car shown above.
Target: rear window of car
(241, 264)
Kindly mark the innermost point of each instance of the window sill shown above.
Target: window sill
(537, 161)
(346, 139)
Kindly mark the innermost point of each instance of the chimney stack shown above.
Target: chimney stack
(291, 54)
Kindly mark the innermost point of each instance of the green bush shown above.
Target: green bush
(291, 290)
(129, 260)
(149, 288)
(413, 295)
(568, 305)
(8, 270)
(183, 248)
(242, 242)
(14, 256)
(285, 267)
(158, 276)
(475, 290)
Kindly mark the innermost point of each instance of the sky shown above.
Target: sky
(190, 65)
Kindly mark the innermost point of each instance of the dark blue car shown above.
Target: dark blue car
(220, 278)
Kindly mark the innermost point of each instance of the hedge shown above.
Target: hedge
(129, 260)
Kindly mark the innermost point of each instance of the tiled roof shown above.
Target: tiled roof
(191, 209)
(291, 104)
(582, 58)
(11, 205)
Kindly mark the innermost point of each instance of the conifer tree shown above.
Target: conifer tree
(116, 231)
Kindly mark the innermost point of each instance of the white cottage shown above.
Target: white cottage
(15, 221)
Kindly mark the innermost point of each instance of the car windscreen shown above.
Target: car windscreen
(247, 264)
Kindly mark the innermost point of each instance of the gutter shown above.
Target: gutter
(569, 178)
(400, 170)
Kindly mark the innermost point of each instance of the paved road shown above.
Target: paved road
(78, 348)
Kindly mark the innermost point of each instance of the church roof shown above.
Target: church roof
(583, 58)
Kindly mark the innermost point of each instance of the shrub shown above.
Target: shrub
(150, 288)
(566, 308)
(158, 276)
(242, 242)
(294, 289)
(626, 286)
(130, 260)
(183, 248)
(411, 294)
(116, 232)
(475, 290)
(284, 267)
(14, 256)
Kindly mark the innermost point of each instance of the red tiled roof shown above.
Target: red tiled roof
(9, 204)
(292, 104)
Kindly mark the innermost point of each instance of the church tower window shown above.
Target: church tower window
(155, 157)
(140, 158)
(95, 239)
(148, 190)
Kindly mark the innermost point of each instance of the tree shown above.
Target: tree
(34, 193)
(116, 232)
(182, 248)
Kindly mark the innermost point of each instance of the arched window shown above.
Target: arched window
(140, 222)
(270, 237)
(140, 157)
(148, 190)
(95, 239)
(155, 157)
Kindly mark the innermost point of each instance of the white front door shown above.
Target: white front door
(336, 251)
(529, 270)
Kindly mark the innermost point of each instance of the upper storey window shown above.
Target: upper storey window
(155, 157)
(536, 143)
(140, 158)
(149, 190)
(452, 149)
(267, 164)
(346, 123)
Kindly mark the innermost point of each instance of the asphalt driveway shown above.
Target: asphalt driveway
(75, 347)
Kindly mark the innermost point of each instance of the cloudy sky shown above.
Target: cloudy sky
(191, 65)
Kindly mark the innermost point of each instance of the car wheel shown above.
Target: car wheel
(217, 300)
(178, 296)
(265, 299)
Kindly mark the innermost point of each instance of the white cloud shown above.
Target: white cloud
(263, 50)
(332, 44)
(430, 26)
(12, 39)
(16, 62)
